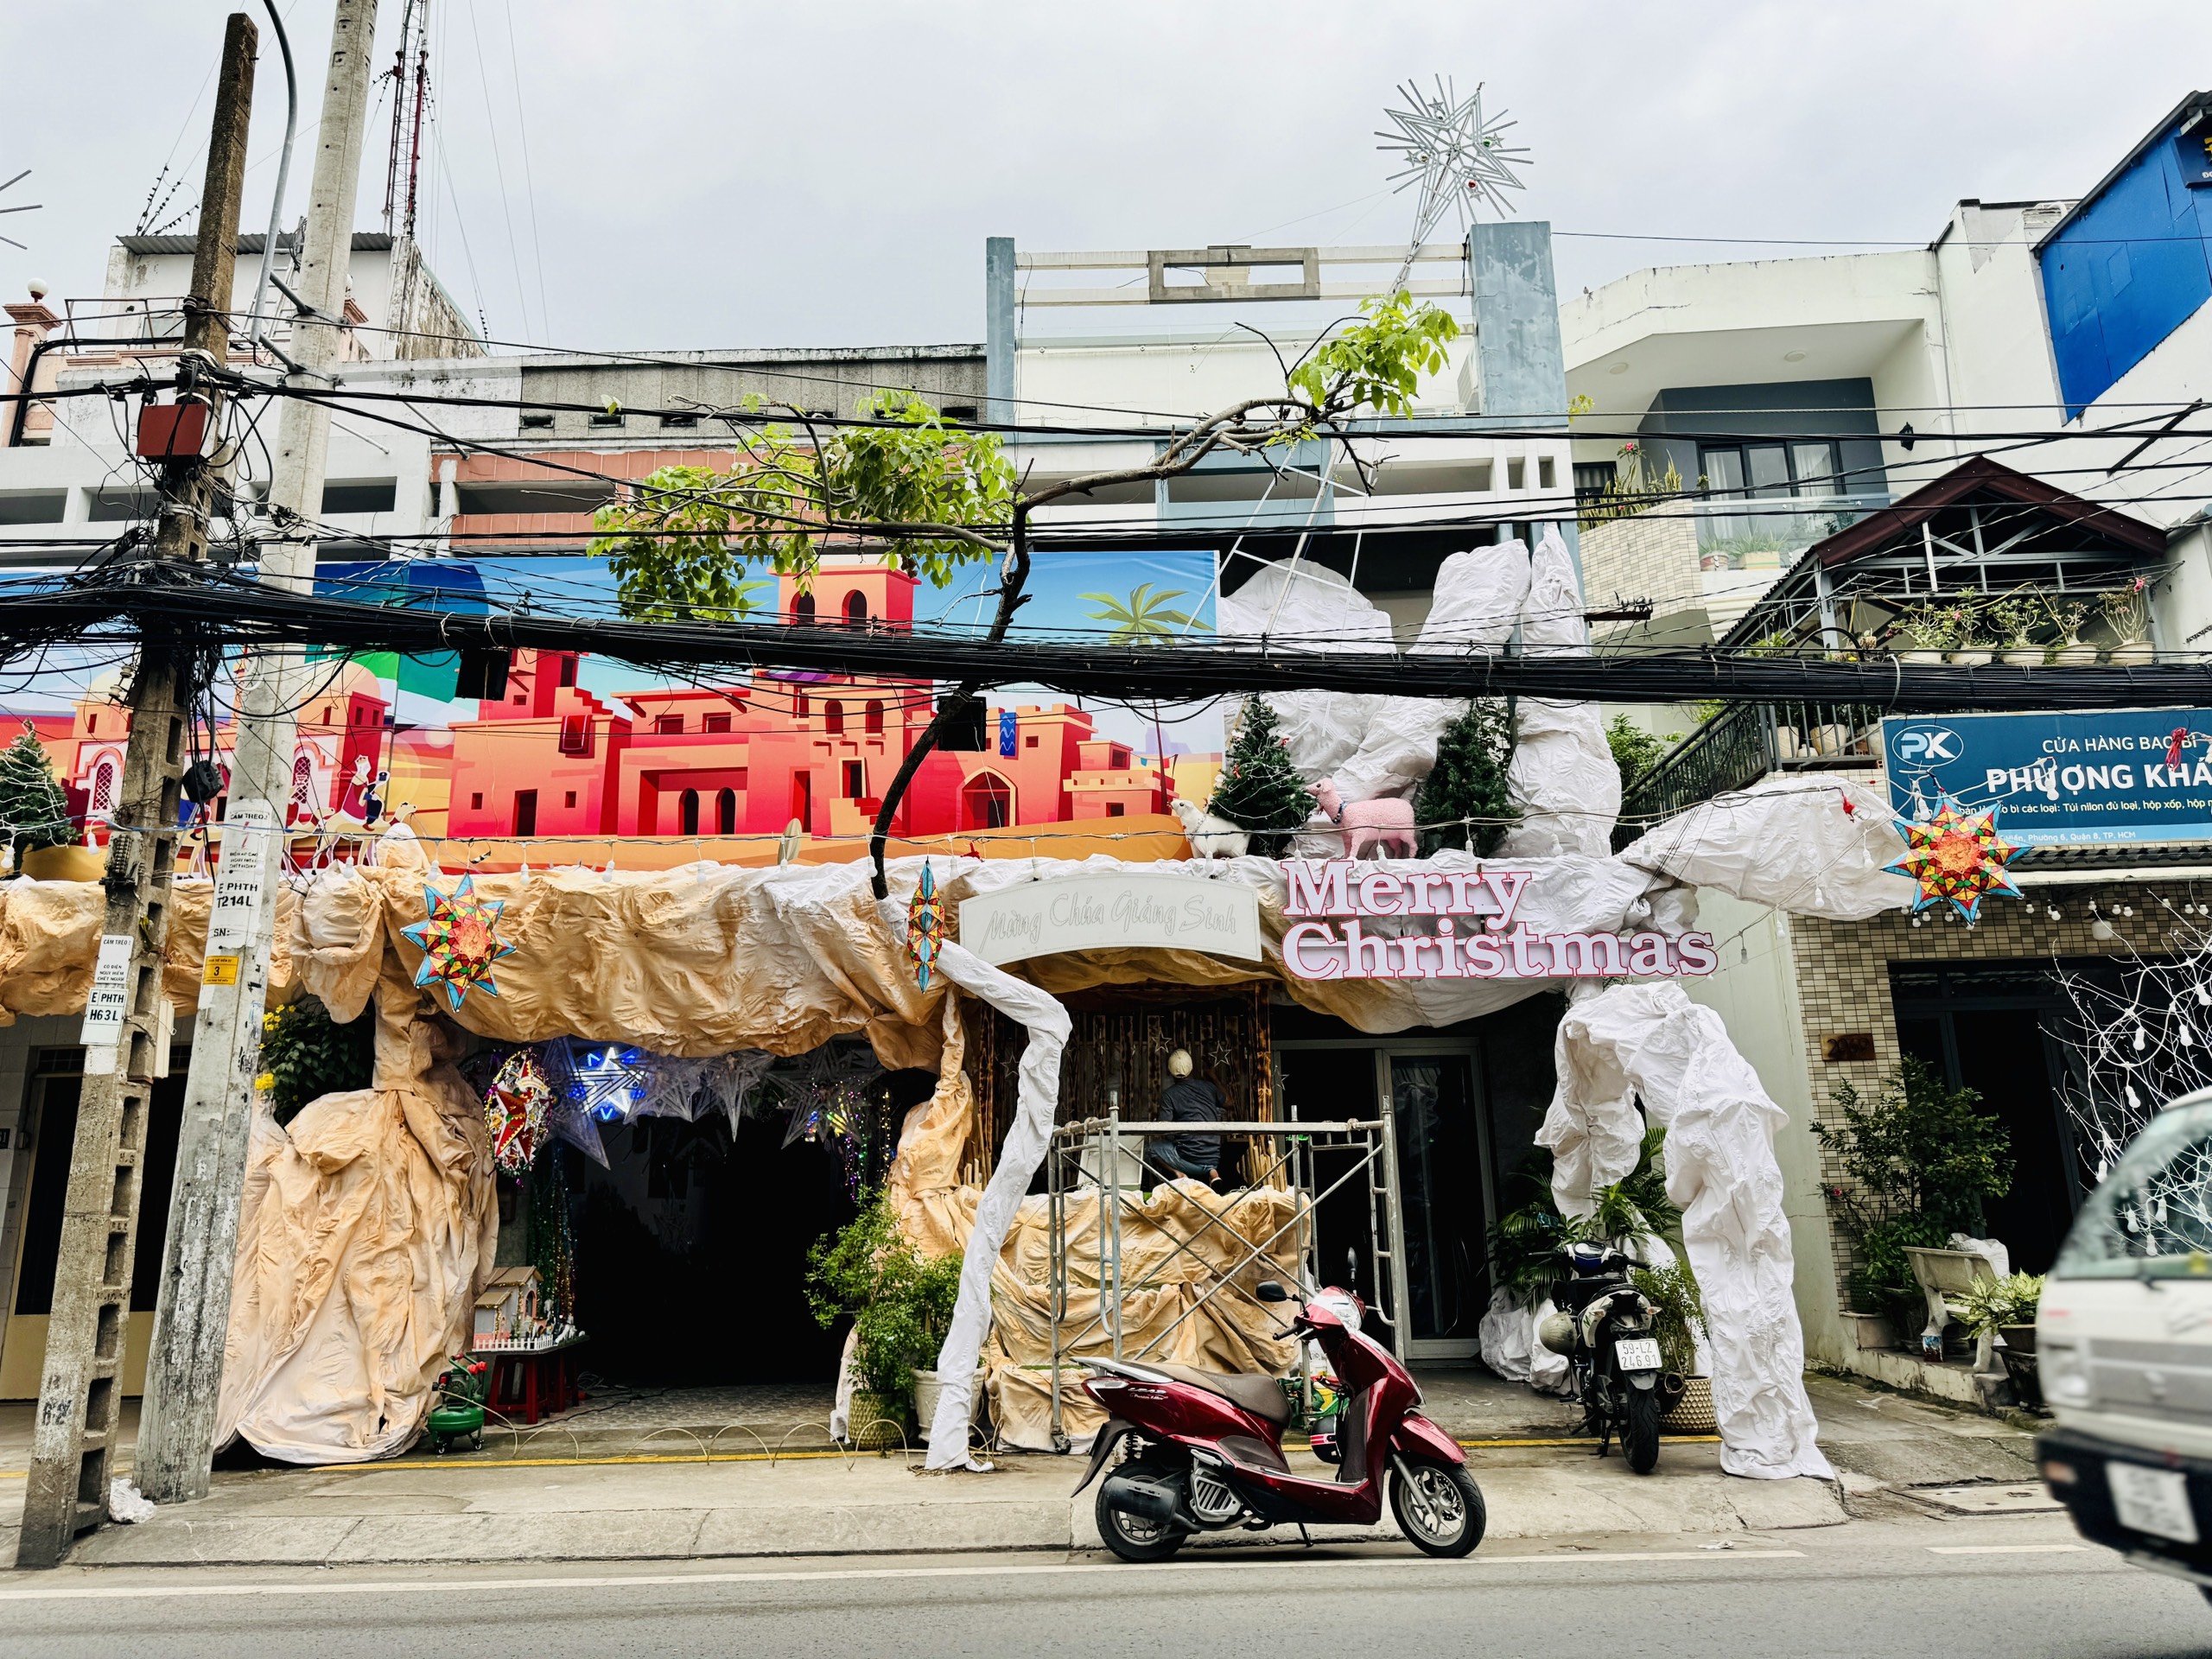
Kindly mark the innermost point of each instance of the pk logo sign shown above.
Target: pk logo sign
(1927, 746)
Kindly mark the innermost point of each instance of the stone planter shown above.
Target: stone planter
(64, 863)
(2021, 657)
(2018, 1354)
(2133, 653)
(2076, 655)
(928, 1387)
(1926, 659)
(878, 1422)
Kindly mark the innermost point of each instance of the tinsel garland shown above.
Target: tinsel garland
(553, 1240)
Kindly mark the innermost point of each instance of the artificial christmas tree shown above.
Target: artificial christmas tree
(1464, 799)
(34, 811)
(1259, 790)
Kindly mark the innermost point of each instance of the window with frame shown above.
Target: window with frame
(1805, 467)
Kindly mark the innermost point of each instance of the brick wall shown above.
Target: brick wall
(1652, 556)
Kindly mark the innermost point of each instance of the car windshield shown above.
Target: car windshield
(2152, 1217)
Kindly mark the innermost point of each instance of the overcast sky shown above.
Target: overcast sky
(662, 174)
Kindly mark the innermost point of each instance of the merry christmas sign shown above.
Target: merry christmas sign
(1469, 928)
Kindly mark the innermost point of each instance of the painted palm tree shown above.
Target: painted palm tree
(1144, 618)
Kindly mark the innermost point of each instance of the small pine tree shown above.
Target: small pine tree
(1468, 782)
(1259, 790)
(34, 811)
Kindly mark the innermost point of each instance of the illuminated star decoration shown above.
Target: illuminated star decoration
(1458, 159)
(458, 944)
(924, 927)
(1955, 856)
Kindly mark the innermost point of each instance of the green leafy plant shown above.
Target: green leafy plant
(1142, 618)
(1634, 487)
(305, 1055)
(1465, 799)
(1635, 752)
(900, 1300)
(33, 810)
(1379, 364)
(679, 542)
(1259, 790)
(1989, 1304)
(1928, 628)
(1677, 1313)
(1923, 1160)
(1524, 1244)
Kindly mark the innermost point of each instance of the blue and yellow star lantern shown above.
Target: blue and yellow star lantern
(1955, 857)
(458, 944)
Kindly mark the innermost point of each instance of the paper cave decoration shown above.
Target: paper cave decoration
(1955, 857)
(457, 941)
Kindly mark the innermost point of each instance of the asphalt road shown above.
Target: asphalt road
(1875, 1592)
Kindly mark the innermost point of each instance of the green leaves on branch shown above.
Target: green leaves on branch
(679, 544)
(1377, 364)
(900, 1300)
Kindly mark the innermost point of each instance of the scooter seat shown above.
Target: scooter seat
(1260, 1395)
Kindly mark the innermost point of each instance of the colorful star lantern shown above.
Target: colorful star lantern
(514, 1110)
(1955, 856)
(924, 927)
(458, 944)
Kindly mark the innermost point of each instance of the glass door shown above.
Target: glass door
(1441, 1199)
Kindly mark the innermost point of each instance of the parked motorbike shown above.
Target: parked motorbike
(1206, 1449)
(1603, 1330)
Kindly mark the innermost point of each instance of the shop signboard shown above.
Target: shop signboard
(1123, 910)
(1475, 930)
(2112, 775)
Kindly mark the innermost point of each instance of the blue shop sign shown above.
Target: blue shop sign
(2129, 774)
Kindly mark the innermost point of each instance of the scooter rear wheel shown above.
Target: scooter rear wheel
(1640, 1430)
(1438, 1507)
(1135, 1537)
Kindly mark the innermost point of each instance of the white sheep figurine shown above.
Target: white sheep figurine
(1210, 837)
(1383, 822)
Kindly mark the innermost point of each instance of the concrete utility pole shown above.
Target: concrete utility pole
(127, 1015)
(184, 1372)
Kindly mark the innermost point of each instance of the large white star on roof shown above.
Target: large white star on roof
(1458, 159)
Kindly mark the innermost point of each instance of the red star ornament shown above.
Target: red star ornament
(458, 944)
(1956, 856)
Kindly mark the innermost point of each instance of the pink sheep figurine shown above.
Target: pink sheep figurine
(1382, 822)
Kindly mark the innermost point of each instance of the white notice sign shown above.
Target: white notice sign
(1122, 911)
(242, 879)
(111, 995)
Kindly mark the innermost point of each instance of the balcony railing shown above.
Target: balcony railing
(1743, 744)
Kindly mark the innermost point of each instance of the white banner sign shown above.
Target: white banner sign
(1477, 932)
(249, 848)
(1124, 910)
(110, 997)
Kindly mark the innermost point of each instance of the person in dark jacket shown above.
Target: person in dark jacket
(1189, 1100)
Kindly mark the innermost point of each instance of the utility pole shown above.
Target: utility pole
(184, 1372)
(127, 1015)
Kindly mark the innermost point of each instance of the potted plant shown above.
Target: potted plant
(2006, 1307)
(2011, 620)
(900, 1303)
(1928, 635)
(34, 816)
(2128, 612)
(1924, 1158)
(2072, 650)
(1678, 1320)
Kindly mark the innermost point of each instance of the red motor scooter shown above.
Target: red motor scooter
(1206, 1449)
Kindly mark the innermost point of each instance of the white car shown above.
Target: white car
(2124, 1346)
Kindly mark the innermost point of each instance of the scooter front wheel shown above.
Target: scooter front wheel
(1135, 1537)
(1438, 1507)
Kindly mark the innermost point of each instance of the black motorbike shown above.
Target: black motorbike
(1603, 1329)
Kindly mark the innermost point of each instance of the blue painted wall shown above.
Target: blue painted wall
(2127, 269)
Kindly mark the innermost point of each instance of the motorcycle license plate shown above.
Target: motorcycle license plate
(2155, 1501)
(1636, 1353)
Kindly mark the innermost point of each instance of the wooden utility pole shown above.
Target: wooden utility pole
(127, 1015)
(184, 1371)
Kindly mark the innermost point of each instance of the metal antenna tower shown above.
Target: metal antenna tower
(409, 75)
(1460, 159)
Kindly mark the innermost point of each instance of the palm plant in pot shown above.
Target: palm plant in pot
(2008, 1306)
(900, 1303)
